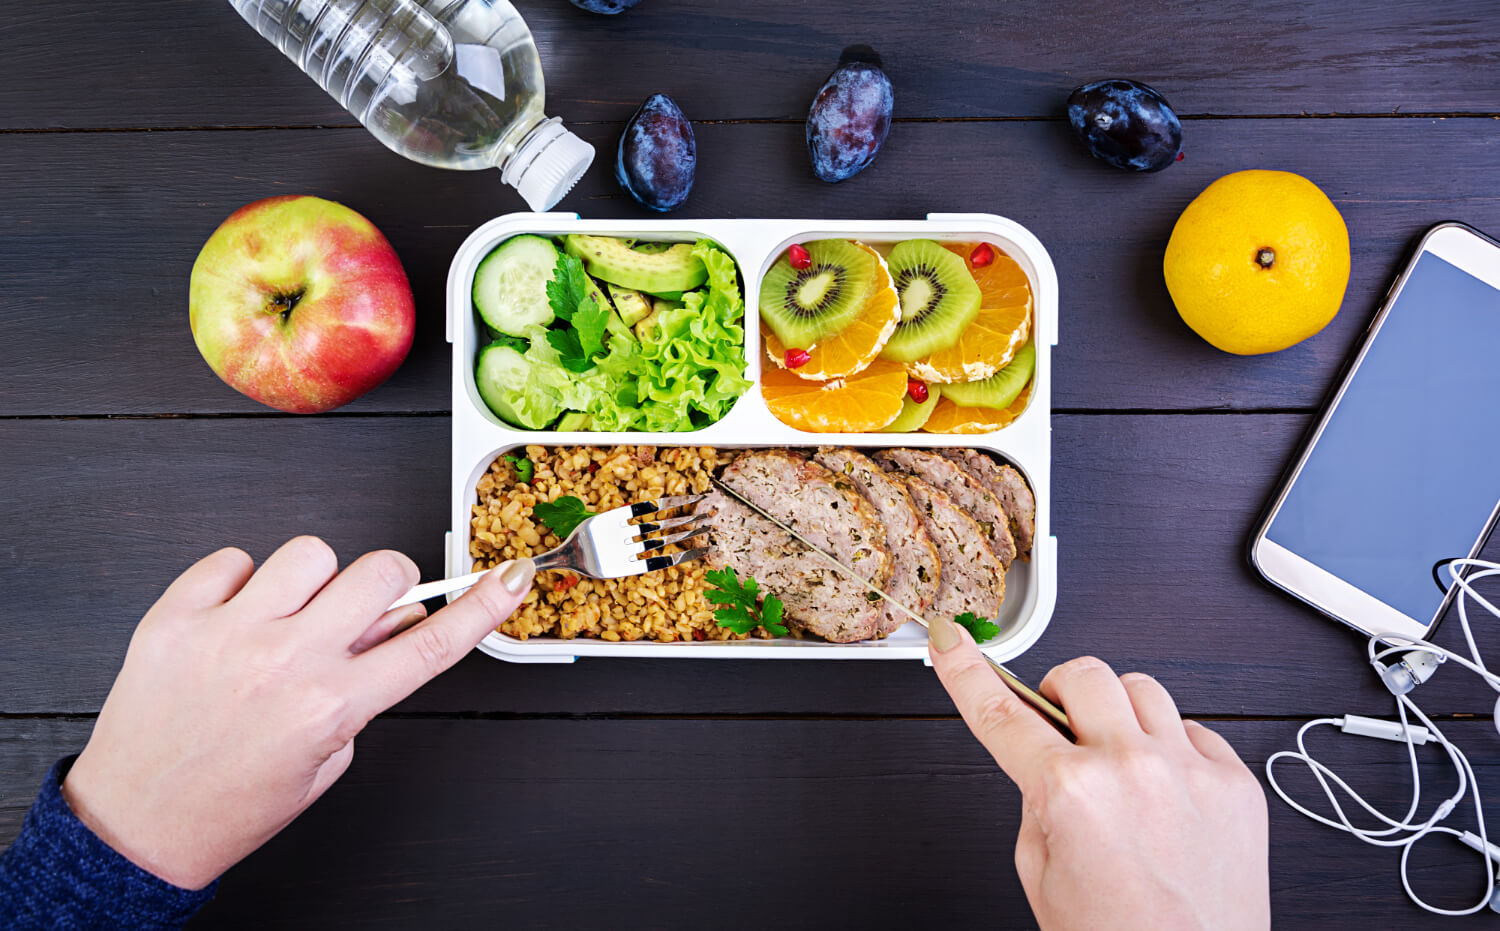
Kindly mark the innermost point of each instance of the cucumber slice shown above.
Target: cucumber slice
(503, 377)
(510, 284)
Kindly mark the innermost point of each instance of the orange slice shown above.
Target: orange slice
(862, 403)
(856, 345)
(1004, 322)
(948, 417)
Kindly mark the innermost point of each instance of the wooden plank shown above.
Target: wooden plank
(185, 63)
(734, 824)
(97, 269)
(1151, 513)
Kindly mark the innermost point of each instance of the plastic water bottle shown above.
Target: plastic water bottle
(448, 83)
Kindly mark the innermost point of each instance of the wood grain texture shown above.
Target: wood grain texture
(163, 63)
(730, 824)
(1151, 513)
(102, 230)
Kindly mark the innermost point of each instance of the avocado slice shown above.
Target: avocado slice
(644, 328)
(574, 421)
(631, 305)
(676, 269)
(597, 293)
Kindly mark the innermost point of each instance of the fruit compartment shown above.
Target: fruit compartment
(1024, 249)
(479, 436)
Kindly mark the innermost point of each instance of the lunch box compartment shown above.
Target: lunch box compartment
(479, 436)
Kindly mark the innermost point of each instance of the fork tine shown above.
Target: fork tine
(642, 508)
(660, 542)
(664, 562)
(667, 524)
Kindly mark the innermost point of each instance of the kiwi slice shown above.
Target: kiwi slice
(914, 415)
(1000, 389)
(938, 299)
(804, 305)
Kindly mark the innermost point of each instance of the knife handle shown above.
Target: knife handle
(1034, 698)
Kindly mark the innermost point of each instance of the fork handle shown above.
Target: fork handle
(433, 589)
(555, 559)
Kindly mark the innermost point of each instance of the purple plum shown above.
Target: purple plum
(850, 116)
(1126, 124)
(657, 155)
(606, 7)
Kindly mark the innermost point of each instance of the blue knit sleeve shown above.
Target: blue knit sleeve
(59, 874)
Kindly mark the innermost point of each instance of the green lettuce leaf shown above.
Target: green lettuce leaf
(687, 370)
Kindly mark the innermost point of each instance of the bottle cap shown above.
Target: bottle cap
(547, 164)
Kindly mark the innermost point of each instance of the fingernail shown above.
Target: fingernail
(516, 575)
(416, 614)
(943, 633)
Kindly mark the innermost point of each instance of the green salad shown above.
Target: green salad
(602, 333)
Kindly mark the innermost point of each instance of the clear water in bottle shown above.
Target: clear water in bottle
(448, 83)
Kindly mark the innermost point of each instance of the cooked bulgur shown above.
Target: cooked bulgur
(665, 606)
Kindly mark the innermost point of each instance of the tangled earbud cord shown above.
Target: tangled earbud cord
(1405, 833)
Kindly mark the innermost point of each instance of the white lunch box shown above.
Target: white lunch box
(479, 436)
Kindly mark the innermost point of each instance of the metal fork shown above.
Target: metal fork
(605, 546)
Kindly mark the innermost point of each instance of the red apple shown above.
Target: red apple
(301, 304)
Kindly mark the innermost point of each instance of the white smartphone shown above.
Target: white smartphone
(1402, 471)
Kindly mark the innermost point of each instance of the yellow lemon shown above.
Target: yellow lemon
(1258, 261)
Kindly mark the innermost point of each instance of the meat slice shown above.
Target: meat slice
(830, 512)
(976, 500)
(1007, 485)
(916, 567)
(973, 578)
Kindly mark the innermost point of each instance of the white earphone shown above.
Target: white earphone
(1419, 659)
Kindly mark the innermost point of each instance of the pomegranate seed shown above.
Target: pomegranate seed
(796, 358)
(1181, 156)
(799, 256)
(982, 255)
(917, 390)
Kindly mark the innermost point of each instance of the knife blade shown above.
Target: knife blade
(1031, 696)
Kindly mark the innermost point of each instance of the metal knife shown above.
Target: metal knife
(1031, 696)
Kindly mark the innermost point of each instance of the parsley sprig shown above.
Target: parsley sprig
(979, 627)
(525, 468)
(741, 612)
(562, 516)
(582, 335)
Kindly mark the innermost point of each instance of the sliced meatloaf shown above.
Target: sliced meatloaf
(830, 512)
(973, 578)
(976, 500)
(916, 568)
(1006, 484)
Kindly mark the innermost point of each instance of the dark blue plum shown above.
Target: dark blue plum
(850, 116)
(607, 7)
(1127, 124)
(657, 155)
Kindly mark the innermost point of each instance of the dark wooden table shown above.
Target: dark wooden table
(712, 794)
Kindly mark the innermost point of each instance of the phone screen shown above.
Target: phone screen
(1407, 469)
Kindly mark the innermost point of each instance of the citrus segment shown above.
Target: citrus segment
(862, 403)
(948, 417)
(1002, 326)
(856, 345)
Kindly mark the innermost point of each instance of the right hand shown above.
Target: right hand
(1148, 822)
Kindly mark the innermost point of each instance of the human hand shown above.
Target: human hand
(242, 692)
(1149, 822)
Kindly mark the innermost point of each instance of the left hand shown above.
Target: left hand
(242, 691)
